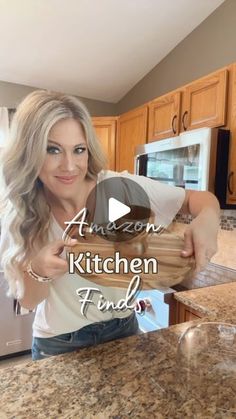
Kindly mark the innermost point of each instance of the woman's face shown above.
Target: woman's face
(66, 163)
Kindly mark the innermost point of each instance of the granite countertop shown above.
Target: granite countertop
(137, 377)
(214, 303)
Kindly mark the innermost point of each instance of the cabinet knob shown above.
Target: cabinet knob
(183, 120)
(173, 124)
(228, 183)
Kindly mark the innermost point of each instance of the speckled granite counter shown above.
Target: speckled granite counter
(136, 377)
(215, 303)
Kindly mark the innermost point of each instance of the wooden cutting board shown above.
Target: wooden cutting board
(166, 248)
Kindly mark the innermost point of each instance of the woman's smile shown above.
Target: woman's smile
(67, 180)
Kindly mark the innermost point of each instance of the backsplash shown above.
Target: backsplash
(212, 275)
(227, 219)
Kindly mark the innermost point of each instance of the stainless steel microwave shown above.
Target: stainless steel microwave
(196, 159)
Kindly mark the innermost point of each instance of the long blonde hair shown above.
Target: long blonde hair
(24, 211)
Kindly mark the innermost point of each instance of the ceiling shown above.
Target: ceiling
(97, 49)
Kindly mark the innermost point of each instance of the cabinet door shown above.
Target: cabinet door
(186, 314)
(105, 128)
(164, 114)
(204, 103)
(131, 132)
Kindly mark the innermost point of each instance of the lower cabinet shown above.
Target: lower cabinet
(186, 313)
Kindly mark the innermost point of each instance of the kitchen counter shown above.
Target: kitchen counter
(137, 377)
(217, 303)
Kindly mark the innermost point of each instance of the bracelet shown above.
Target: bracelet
(35, 276)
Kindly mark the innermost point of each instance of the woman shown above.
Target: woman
(52, 162)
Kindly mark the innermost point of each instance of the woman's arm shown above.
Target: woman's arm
(47, 263)
(35, 292)
(201, 235)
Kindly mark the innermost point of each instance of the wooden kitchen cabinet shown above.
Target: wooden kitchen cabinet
(207, 102)
(186, 313)
(131, 132)
(105, 128)
(204, 102)
(164, 116)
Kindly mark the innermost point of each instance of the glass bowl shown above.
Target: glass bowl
(206, 368)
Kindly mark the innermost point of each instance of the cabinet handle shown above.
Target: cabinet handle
(137, 165)
(228, 183)
(183, 120)
(173, 124)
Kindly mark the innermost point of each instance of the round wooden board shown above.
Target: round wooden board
(166, 248)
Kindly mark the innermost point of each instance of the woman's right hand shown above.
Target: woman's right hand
(48, 262)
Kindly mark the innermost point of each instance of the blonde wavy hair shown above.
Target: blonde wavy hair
(24, 210)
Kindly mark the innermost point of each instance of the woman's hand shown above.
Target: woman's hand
(200, 238)
(48, 262)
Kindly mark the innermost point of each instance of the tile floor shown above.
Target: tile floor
(14, 360)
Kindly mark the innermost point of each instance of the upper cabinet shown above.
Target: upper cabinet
(131, 131)
(204, 102)
(105, 128)
(164, 115)
(207, 102)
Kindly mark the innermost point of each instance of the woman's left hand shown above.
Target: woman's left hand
(200, 238)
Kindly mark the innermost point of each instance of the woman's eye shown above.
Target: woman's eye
(79, 150)
(53, 150)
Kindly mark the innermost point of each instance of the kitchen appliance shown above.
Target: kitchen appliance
(15, 325)
(196, 159)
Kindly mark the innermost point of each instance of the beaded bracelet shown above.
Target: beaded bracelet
(35, 276)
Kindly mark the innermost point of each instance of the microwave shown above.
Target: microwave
(196, 159)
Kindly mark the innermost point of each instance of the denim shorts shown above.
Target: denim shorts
(90, 335)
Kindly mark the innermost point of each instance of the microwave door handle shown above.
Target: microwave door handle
(141, 165)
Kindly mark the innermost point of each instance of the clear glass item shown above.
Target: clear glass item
(206, 369)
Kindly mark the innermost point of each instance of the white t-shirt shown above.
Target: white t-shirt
(61, 311)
